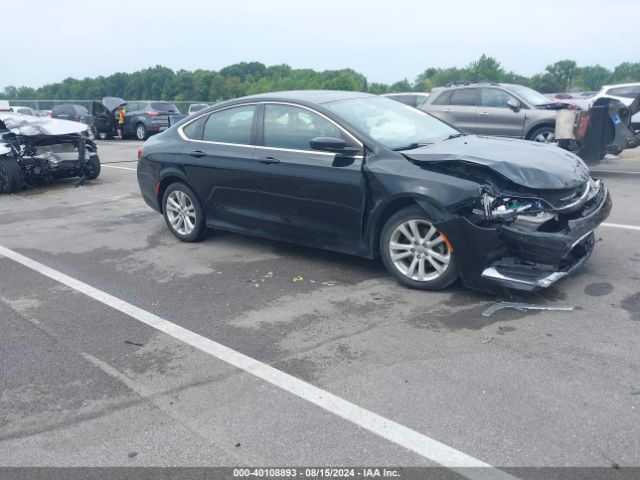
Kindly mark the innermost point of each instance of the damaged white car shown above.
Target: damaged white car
(37, 150)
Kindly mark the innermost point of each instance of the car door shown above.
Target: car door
(218, 158)
(457, 107)
(497, 117)
(103, 121)
(306, 195)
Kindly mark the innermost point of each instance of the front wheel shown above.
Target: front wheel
(92, 169)
(544, 134)
(11, 176)
(415, 252)
(141, 132)
(183, 213)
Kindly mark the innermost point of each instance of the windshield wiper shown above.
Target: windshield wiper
(456, 135)
(411, 146)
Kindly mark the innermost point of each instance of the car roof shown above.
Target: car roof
(393, 94)
(615, 85)
(310, 96)
(478, 84)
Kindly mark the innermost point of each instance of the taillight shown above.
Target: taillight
(139, 153)
(152, 114)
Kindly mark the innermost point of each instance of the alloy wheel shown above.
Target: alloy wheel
(181, 212)
(418, 251)
(545, 137)
(140, 132)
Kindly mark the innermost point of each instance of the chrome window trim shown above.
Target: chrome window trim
(267, 102)
(198, 117)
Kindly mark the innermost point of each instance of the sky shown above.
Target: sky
(47, 41)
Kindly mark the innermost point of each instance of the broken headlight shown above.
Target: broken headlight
(506, 208)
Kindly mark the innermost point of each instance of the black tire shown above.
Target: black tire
(546, 132)
(141, 132)
(200, 226)
(11, 176)
(449, 272)
(93, 167)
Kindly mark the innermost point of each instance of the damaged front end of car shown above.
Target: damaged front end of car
(39, 151)
(527, 239)
(530, 219)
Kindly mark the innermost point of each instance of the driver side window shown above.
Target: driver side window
(495, 98)
(290, 127)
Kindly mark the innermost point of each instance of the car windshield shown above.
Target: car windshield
(395, 125)
(530, 96)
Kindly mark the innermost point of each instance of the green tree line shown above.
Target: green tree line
(248, 78)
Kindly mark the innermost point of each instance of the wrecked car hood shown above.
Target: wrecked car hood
(28, 125)
(525, 163)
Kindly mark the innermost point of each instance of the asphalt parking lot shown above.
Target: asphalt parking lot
(85, 384)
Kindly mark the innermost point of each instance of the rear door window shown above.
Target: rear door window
(194, 130)
(464, 97)
(232, 125)
(443, 99)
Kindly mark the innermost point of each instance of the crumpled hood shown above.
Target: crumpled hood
(28, 125)
(525, 163)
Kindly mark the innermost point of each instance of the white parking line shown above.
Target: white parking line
(119, 168)
(616, 171)
(620, 225)
(394, 432)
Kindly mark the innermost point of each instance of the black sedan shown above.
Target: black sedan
(365, 175)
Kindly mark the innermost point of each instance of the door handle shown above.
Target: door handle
(484, 113)
(447, 109)
(268, 160)
(198, 154)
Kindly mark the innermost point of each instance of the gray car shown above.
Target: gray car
(498, 109)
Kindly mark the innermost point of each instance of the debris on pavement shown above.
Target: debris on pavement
(522, 307)
(129, 342)
(297, 278)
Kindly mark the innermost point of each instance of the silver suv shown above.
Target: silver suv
(498, 109)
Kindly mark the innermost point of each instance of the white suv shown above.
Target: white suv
(625, 92)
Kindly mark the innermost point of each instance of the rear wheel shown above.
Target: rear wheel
(415, 253)
(183, 213)
(11, 176)
(141, 132)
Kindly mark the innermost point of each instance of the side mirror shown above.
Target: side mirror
(333, 145)
(514, 104)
